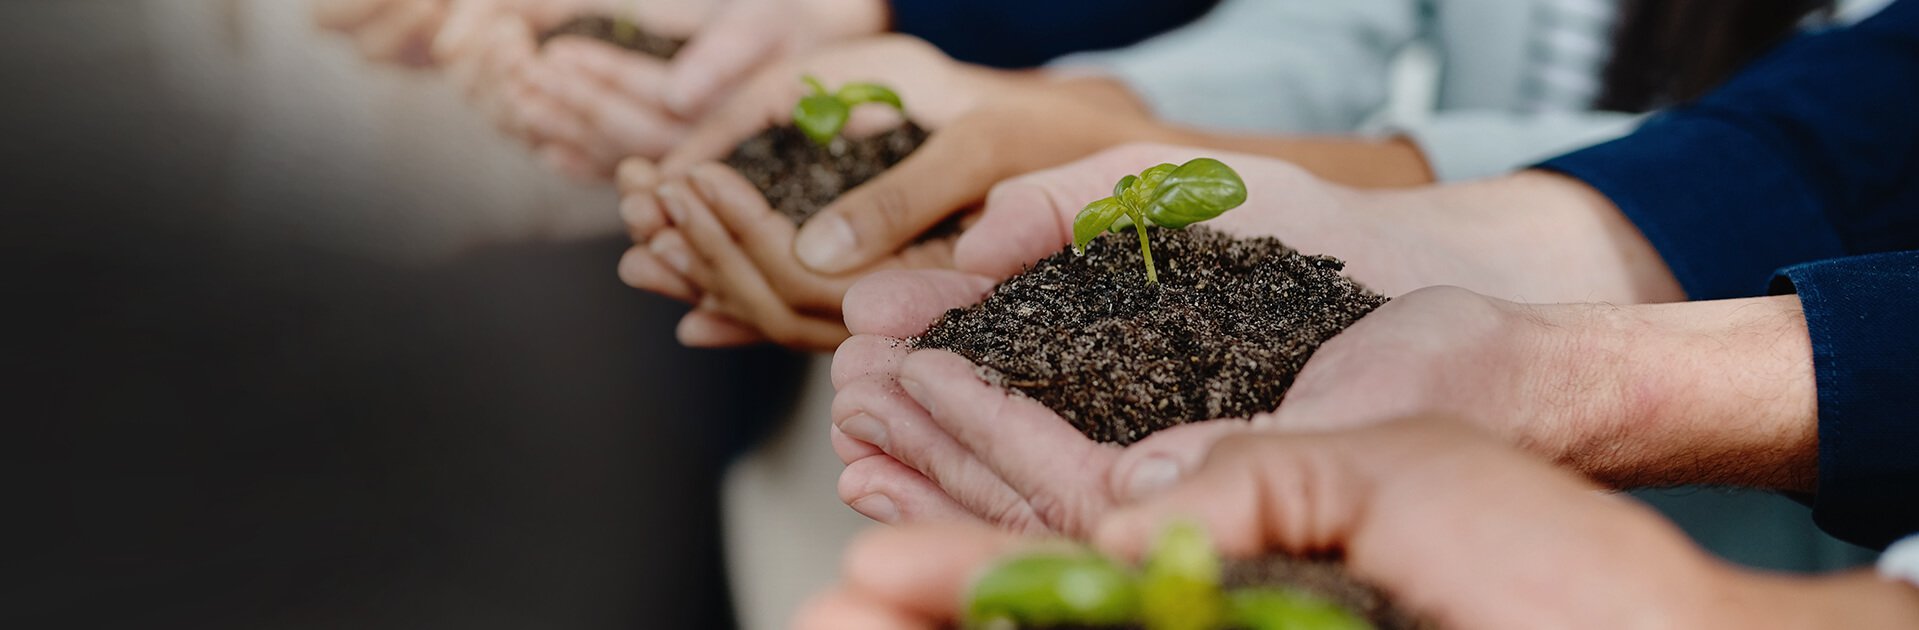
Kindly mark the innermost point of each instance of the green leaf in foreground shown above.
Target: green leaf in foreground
(1045, 589)
(1180, 587)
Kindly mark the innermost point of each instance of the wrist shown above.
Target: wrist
(1556, 240)
(1717, 392)
(1856, 599)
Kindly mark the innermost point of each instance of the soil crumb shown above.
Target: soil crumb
(608, 29)
(799, 177)
(1222, 335)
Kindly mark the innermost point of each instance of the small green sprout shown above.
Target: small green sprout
(822, 114)
(626, 27)
(1167, 196)
(1178, 589)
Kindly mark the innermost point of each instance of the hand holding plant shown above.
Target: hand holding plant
(1446, 520)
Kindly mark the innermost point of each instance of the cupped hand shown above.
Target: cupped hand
(1449, 522)
(591, 105)
(1012, 461)
(743, 35)
(390, 31)
(709, 237)
(935, 89)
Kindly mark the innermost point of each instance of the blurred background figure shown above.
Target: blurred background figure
(297, 343)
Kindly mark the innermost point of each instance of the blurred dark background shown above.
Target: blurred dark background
(249, 387)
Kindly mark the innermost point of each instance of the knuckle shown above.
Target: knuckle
(1016, 516)
(1058, 513)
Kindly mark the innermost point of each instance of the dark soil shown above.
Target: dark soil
(1222, 335)
(799, 177)
(607, 29)
(1326, 579)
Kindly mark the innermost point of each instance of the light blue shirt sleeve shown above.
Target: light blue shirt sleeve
(1291, 66)
(1471, 144)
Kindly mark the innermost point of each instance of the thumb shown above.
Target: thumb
(879, 217)
(1255, 493)
(719, 56)
(1156, 463)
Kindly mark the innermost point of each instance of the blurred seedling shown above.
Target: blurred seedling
(822, 114)
(1179, 587)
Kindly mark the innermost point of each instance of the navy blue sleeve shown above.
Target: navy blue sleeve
(1026, 33)
(1810, 153)
(1863, 316)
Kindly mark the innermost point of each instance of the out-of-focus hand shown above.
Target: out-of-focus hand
(726, 251)
(912, 578)
(1448, 521)
(743, 35)
(1031, 124)
(935, 88)
(588, 105)
(390, 31)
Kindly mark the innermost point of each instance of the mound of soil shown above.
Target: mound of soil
(607, 29)
(1326, 579)
(799, 177)
(1222, 335)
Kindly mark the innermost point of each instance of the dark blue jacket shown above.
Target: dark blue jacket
(1025, 33)
(1805, 168)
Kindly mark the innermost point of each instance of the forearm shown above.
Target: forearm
(1855, 599)
(1716, 392)
(1351, 161)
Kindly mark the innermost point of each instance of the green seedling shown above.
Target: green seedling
(822, 114)
(1167, 196)
(626, 26)
(1178, 588)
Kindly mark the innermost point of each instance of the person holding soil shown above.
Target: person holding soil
(996, 125)
(1445, 518)
(1785, 201)
(490, 48)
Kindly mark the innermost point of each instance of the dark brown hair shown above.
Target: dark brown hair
(1667, 52)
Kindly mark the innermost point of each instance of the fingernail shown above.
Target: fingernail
(866, 429)
(674, 257)
(824, 242)
(918, 393)
(877, 507)
(1151, 476)
(671, 196)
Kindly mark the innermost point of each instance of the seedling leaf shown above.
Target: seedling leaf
(857, 94)
(821, 117)
(1198, 190)
(1180, 589)
(822, 114)
(1095, 218)
(1054, 589)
